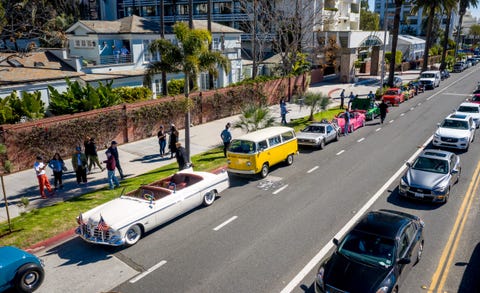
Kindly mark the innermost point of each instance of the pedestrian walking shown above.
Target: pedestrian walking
(181, 155)
(92, 155)
(346, 127)
(80, 165)
(114, 151)
(39, 167)
(173, 140)
(351, 98)
(342, 98)
(58, 166)
(283, 111)
(383, 111)
(162, 141)
(226, 138)
(110, 163)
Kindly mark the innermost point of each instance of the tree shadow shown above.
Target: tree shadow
(470, 282)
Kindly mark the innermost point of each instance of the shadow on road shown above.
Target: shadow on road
(470, 282)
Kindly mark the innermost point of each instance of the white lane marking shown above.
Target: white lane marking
(323, 252)
(313, 169)
(429, 98)
(225, 223)
(132, 281)
(378, 129)
(456, 94)
(361, 139)
(411, 109)
(391, 121)
(280, 189)
(403, 114)
(419, 104)
(340, 152)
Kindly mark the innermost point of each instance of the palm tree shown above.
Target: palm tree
(316, 102)
(255, 117)
(429, 8)
(191, 56)
(396, 26)
(464, 4)
(448, 7)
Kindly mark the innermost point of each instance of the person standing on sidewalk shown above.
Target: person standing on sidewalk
(162, 140)
(342, 98)
(80, 165)
(39, 167)
(226, 138)
(57, 165)
(112, 179)
(346, 117)
(181, 155)
(114, 151)
(383, 111)
(92, 155)
(351, 98)
(283, 111)
(173, 140)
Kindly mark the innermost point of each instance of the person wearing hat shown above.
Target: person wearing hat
(226, 138)
(80, 164)
(112, 179)
(173, 140)
(181, 155)
(114, 151)
(39, 167)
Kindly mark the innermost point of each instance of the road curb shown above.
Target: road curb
(331, 91)
(53, 241)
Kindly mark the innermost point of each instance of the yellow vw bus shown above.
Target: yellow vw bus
(257, 151)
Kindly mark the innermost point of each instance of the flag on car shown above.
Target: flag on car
(80, 220)
(102, 226)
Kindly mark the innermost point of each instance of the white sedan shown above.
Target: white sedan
(124, 220)
(472, 109)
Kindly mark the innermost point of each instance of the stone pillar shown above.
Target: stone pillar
(375, 66)
(347, 67)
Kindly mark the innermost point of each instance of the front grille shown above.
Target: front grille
(94, 232)
(449, 139)
(420, 190)
(331, 289)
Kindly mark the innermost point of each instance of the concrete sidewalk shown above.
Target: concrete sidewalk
(142, 156)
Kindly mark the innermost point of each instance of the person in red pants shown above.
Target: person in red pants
(43, 182)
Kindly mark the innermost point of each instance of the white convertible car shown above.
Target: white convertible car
(124, 220)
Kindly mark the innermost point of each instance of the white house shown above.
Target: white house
(412, 48)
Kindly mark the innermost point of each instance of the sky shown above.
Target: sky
(475, 12)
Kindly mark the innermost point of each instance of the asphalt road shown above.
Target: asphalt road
(268, 235)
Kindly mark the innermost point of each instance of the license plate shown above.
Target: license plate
(419, 195)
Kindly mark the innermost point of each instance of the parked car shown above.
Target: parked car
(20, 270)
(475, 98)
(397, 81)
(416, 86)
(456, 131)
(366, 106)
(430, 79)
(473, 61)
(459, 66)
(472, 109)
(357, 120)
(318, 134)
(431, 176)
(444, 74)
(374, 256)
(393, 96)
(149, 207)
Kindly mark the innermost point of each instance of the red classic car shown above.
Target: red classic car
(357, 120)
(475, 99)
(393, 96)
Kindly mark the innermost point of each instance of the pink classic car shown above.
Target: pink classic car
(357, 120)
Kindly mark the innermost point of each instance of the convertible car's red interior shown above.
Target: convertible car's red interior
(166, 186)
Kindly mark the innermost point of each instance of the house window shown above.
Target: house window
(182, 9)
(200, 8)
(84, 44)
(149, 11)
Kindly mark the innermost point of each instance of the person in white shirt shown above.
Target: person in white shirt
(39, 167)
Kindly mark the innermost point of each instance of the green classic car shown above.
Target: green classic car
(369, 107)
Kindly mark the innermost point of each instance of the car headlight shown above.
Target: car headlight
(228, 161)
(403, 183)
(320, 276)
(439, 189)
(383, 289)
(436, 136)
(463, 139)
(249, 163)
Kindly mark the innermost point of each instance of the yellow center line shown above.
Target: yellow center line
(460, 215)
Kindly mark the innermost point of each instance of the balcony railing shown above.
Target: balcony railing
(116, 59)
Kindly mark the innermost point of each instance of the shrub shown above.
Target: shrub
(176, 87)
(133, 94)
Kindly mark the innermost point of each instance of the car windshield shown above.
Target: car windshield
(368, 248)
(242, 146)
(390, 93)
(455, 124)
(428, 75)
(315, 129)
(468, 109)
(476, 98)
(431, 165)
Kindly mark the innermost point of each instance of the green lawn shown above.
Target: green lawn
(41, 224)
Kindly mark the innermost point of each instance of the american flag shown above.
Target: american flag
(80, 220)
(102, 226)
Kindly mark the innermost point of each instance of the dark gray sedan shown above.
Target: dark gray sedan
(318, 134)
(431, 176)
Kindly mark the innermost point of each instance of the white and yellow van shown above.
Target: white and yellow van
(257, 151)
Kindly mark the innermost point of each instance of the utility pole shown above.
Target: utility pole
(254, 41)
(162, 34)
(187, 89)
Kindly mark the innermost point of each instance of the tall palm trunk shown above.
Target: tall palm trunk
(428, 41)
(459, 32)
(443, 65)
(396, 26)
(187, 90)
(162, 33)
(209, 23)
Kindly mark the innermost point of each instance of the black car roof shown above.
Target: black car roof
(382, 223)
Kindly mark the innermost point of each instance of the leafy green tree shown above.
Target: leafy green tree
(255, 117)
(475, 33)
(463, 5)
(448, 8)
(369, 21)
(28, 106)
(133, 94)
(316, 102)
(191, 56)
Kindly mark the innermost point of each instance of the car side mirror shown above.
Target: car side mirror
(335, 241)
(404, 261)
(454, 171)
(438, 124)
(408, 164)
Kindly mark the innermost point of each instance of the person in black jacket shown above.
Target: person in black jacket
(92, 155)
(383, 111)
(181, 155)
(114, 151)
